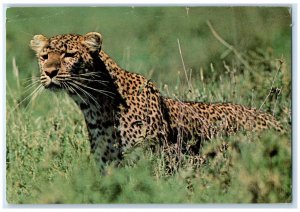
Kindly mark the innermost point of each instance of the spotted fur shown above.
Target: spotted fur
(123, 109)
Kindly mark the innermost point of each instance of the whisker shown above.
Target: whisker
(89, 74)
(29, 79)
(87, 79)
(66, 86)
(71, 89)
(29, 96)
(31, 85)
(35, 95)
(74, 87)
(85, 92)
(94, 73)
(97, 90)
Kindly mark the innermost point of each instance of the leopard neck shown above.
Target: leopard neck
(116, 73)
(100, 94)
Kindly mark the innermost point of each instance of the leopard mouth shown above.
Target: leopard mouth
(51, 84)
(53, 87)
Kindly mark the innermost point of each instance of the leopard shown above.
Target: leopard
(123, 109)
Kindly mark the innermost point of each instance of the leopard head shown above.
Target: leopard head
(66, 61)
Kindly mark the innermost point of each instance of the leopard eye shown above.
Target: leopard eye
(68, 54)
(44, 57)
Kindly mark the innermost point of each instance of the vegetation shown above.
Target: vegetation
(211, 54)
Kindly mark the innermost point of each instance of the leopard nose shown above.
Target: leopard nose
(51, 72)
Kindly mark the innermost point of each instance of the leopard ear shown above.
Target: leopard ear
(93, 40)
(38, 43)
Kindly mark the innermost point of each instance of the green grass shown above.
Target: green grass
(48, 156)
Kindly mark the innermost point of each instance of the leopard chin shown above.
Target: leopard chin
(51, 85)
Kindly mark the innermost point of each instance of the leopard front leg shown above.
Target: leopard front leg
(105, 145)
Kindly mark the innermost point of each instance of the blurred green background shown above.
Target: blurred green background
(144, 39)
(47, 156)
